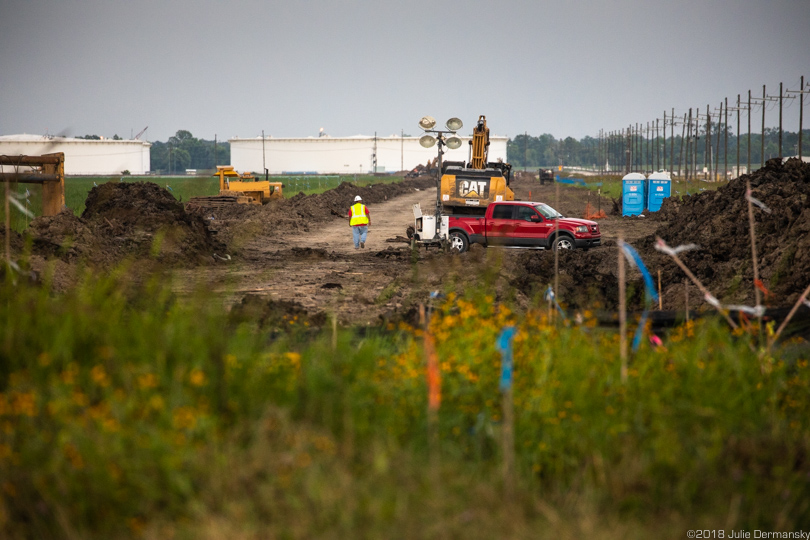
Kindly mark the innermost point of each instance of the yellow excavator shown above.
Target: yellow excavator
(238, 188)
(469, 186)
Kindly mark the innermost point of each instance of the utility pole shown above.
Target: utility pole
(748, 170)
(717, 155)
(665, 141)
(780, 120)
(689, 145)
(738, 135)
(680, 151)
(765, 99)
(215, 152)
(264, 159)
(628, 152)
(801, 93)
(708, 157)
(694, 146)
(648, 161)
(671, 141)
(725, 142)
(374, 157)
(402, 150)
(525, 150)
(598, 169)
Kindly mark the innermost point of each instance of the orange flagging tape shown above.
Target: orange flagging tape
(591, 214)
(761, 286)
(433, 374)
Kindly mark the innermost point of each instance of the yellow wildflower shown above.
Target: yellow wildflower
(99, 375)
(44, 359)
(148, 380)
(197, 377)
(184, 418)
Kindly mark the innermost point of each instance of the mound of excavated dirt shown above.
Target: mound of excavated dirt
(125, 220)
(717, 221)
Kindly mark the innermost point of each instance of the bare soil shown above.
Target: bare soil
(296, 257)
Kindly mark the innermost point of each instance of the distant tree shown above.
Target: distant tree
(117, 138)
(186, 151)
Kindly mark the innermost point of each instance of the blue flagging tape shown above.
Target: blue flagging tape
(650, 294)
(549, 295)
(504, 345)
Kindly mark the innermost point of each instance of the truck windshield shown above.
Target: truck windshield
(547, 212)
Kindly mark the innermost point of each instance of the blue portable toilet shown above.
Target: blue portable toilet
(634, 194)
(659, 187)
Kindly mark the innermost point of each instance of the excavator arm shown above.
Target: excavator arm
(480, 144)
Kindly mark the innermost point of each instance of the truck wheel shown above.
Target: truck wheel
(563, 243)
(458, 242)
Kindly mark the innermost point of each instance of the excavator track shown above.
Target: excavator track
(215, 201)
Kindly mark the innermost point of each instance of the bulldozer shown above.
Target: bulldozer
(467, 188)
(238, 188)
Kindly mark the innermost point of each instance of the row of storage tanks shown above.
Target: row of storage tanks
(641, 192)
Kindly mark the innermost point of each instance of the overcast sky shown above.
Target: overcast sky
(237, 67)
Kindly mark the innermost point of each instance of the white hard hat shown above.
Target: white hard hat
(358, 198)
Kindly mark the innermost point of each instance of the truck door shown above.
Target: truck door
(532, 229)
(501, 226)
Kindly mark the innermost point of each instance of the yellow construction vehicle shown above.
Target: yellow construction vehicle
(245, 187)
(236, 188)
(477, 183)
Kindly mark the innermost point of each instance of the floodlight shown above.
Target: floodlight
(453, 143)
(454, 124)
(427, 141)
(427, 122)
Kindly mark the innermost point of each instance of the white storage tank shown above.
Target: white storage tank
(344, 155)
(104, 157)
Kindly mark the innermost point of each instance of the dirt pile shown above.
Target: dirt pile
(125, 220)
(718, 222)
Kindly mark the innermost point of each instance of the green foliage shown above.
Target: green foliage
(125, 410)
(545, 151)
(184, 151)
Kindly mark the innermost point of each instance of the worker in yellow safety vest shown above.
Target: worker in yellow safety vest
(359, 220)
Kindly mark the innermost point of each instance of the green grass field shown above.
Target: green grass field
(126, 411)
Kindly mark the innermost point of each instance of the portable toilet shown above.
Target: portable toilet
(659, 187)
(633, 194)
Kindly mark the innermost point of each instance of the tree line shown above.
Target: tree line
(184, 151)
(546, 151)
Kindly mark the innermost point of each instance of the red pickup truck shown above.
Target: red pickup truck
(522, 224)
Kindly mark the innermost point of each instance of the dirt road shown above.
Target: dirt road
(320, 270)
(388, 220)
